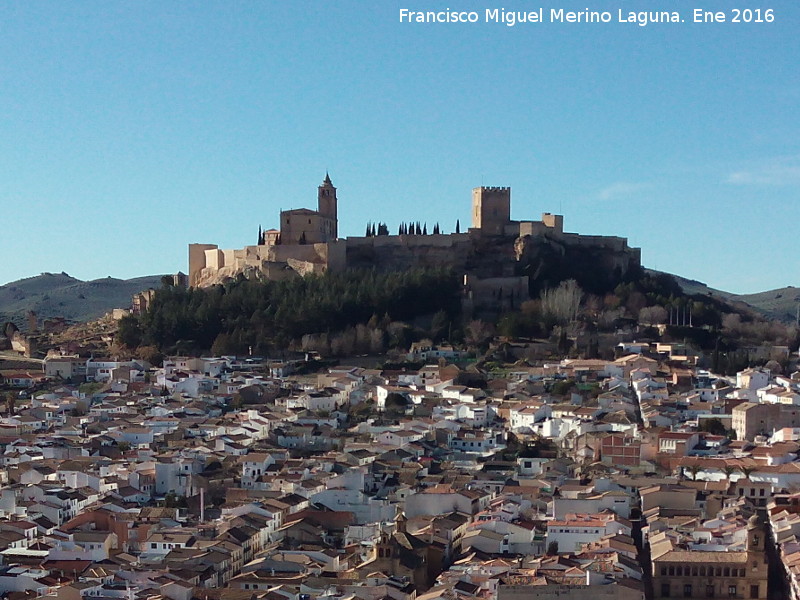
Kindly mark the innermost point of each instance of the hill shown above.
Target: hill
(59, 295)
(779, 304)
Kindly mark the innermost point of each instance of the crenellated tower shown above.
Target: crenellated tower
(491, 209)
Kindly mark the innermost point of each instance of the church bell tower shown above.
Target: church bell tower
(326, 200)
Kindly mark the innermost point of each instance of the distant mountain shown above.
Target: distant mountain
(59, 295)
(780, 304)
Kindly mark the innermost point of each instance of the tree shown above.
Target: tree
(774, 366)
(439, 325)
(458, 226)
(652, 315)
(552, 548)
(562, 303)
(747, 471)
(562, 388)
(129, 333)
(478, 333)
(694, 470)
(713, 426)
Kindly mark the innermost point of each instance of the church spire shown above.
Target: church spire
(327, 180)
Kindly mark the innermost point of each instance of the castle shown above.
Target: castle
(502, 260)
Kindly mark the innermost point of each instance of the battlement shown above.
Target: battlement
(493, 188)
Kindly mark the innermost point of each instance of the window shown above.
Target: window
(153, 545)
(665, 590)
(702, 571)
(687, 590)
(754, 591)
(731, 591)
(663, 570)
(709, 591)
(672, 570)
(727, 572)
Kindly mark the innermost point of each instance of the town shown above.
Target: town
(642, 476)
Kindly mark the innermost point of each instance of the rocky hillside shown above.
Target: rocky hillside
(59, 295)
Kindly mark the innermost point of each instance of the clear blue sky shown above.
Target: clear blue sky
(130, 129)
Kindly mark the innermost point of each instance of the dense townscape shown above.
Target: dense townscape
(225, 477)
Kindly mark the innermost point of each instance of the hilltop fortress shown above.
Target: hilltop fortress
(503, 261)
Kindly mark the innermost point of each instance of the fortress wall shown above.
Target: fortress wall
(302, 252)
(304, 267)
(232, 257)
(197, 260)
(496, 293)
(555, 222)
(617, 244)
(334, 254)
(532, 228)
(215, 259)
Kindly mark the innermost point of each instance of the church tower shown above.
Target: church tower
(326, 201)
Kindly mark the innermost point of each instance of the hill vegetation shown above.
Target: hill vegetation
(265, 316)
(341, 314)
(59, 295)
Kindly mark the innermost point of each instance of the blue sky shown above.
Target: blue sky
(131, 129)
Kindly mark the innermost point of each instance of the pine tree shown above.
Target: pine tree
(458, 226)
(260, 236)
(436, 229)
(425, 229)
(367, 234)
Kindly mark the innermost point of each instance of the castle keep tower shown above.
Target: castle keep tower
(491, 209)
(327, 204)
